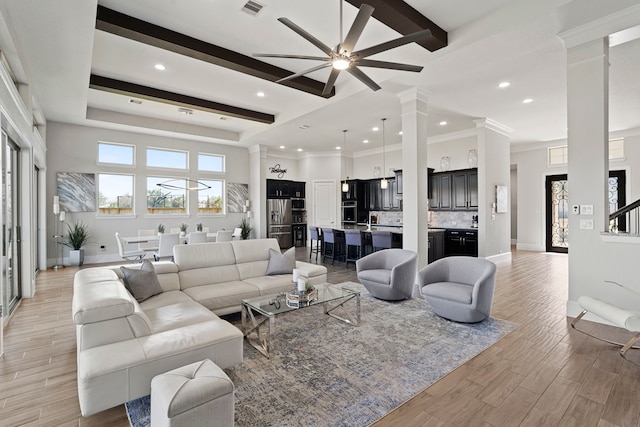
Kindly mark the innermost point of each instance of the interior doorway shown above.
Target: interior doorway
(10, 226)
(324, 204)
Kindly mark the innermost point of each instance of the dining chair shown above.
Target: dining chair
(197, 237)
(224, 235)
(381, 240)
(333, 244)
(237, 233)
(133, 255)
(315, 239)
(165, 246)
(147, 246)
(353, 246)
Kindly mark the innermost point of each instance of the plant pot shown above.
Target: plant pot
(76, 257)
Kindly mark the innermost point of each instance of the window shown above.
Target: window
(115, 194)
(616, 148)
(210, 162)
(119, 154)
(172, 159)
(211, 200)
(557, 156)
(166, 201)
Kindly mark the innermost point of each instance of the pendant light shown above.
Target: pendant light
(345, 184)
(383, 183)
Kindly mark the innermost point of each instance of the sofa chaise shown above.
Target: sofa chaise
(122, 343)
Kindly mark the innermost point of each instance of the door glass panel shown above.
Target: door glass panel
(557, 189)
(10, 261)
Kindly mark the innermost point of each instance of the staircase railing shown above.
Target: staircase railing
(626, 219)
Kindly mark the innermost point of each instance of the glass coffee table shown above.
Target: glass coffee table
(259, 313)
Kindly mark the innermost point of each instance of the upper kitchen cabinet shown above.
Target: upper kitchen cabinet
(297, 190)
(398, 182)
(390, 199)
(440, 186)
(456, 190)
(352, 193)
(465, 189)
(277, 189)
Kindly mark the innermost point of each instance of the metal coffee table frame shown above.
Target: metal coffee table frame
(258, 314)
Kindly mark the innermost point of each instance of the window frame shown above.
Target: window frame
(131, 211)
(150, 167)
(223, 209)
(122, 165)
(222, 156)
(185, 211)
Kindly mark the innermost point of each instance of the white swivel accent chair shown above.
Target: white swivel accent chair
(133, 255)
(165, 247)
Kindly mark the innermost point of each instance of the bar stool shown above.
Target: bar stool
(332, 244)
(353, 239)
(381, 240)
(316, 242)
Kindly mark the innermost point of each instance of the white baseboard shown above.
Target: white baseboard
(503, 257)
(530, 247)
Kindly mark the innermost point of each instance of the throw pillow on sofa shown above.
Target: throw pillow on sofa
(141, 283)
(281, 263)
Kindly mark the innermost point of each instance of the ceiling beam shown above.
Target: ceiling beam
(144, 32)
(405, 19)
(152, 94)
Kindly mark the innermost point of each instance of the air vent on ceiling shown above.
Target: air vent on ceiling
(252, 7)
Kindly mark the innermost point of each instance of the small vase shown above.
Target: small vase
(472, 158)
(444, 164)
(183, 234)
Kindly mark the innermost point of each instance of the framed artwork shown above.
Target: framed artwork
(237, 194)
(501, 198)
(77, 191)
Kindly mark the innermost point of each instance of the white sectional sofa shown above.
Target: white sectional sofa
(122, 344)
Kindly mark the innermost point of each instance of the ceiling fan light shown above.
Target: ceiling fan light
(340, 63)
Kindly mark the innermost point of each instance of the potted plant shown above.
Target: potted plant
(183, 229)
(245, 229)
(199, 226)
(77, 237)
(161, 228)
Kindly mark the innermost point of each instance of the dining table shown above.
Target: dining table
(133, 240)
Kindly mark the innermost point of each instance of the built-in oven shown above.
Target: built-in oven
(297, 204)
(349, 212)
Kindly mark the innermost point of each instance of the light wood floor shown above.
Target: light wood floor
(543, 374)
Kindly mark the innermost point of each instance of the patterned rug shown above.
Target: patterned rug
(323, 372)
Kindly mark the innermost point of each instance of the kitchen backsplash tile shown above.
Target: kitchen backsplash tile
(389, 217)
(444, 219)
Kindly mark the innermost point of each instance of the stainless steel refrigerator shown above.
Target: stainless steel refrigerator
(279, 221)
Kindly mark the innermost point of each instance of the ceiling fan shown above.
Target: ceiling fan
(343, 57)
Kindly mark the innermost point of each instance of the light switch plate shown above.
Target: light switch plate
(586, 224)
(586, 210)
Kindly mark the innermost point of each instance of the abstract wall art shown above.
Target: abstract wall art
(236, 196)
(77, 191)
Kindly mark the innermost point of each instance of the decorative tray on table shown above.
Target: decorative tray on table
(297, 299)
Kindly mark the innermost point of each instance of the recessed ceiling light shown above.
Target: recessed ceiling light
(303, 127)
(443, 123)
(375, 129)
(135, 101)
(400, 133)
(365, 141)
(260, 94)
(527, 100)
(159, 67)
(282, 146)
(502, 85)
(338, 147)
(299, 149)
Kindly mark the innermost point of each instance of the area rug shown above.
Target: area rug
(323, 372)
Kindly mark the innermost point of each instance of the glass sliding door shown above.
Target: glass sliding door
(10, 227)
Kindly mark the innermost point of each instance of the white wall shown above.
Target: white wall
(74, 148)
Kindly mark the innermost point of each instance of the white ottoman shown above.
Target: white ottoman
(198, 394)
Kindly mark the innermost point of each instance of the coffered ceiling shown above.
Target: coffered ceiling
(91, 62)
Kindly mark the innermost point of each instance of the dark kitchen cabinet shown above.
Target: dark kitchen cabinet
(461, 243)
(375, 195)
(398, 183)
(435, 248)
(465, 189)
(352, 193)
(297, 190)
(277, 189)
(440, 185)
(390, 199)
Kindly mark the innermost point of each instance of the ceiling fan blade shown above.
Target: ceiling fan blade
(277, 55)
(311, 39)
(356, 28)
(331, 81)
(420, 35)
(389, 65)
(302, 73)
(355, 72)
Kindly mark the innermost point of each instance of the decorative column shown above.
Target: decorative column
(258, 189)
(414, 171)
